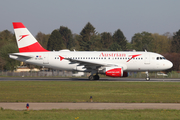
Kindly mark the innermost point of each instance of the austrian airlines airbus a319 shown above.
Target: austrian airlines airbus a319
(110, 63)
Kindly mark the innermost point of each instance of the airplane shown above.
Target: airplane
(109, 63)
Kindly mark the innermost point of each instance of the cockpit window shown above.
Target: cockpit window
(160, 58)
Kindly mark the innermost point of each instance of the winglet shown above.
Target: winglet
(61, 58)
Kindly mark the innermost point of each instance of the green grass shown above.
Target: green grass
(91, 115)
(76, 91)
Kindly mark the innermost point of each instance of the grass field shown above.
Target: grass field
(80, 91)
(91, 115)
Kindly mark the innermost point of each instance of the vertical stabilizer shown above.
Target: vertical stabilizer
(25, 40)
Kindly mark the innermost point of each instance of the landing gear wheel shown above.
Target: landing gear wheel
(91, 77)
(96, 77)
(148, 78)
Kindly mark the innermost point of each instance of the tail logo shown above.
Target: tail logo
(22, 36)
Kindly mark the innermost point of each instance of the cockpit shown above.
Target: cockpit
(160, 58)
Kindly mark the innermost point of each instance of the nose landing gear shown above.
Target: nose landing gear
(147, 76)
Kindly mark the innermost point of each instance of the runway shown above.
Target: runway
(92, 106)
(86, 79)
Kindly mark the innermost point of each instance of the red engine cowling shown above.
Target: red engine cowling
(116, 72)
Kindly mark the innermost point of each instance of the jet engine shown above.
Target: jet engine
(114, 72)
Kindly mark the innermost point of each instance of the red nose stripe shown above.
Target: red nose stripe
(36, 47)
(17, 25)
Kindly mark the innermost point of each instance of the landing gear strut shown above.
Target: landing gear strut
(94, 77)
(147, 76)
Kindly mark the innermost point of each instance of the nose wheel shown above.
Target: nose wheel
(147, 76)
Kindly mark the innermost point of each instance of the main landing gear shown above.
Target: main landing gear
(94, 77)
(147, 76)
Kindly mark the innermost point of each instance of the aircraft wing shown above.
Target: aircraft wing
(91, 64)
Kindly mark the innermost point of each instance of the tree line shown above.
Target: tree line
(90, 40)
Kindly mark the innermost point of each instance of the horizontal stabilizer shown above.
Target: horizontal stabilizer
(19, 55)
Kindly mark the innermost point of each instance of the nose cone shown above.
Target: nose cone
(169, 64)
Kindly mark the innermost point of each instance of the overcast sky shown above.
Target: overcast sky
(131, 16)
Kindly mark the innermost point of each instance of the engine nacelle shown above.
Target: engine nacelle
(116, 72)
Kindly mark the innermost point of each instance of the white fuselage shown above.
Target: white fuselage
(110, 63)
(128, 61)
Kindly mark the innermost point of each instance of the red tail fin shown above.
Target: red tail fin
(25, 40)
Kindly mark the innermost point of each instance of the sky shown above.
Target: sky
(130, 16)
